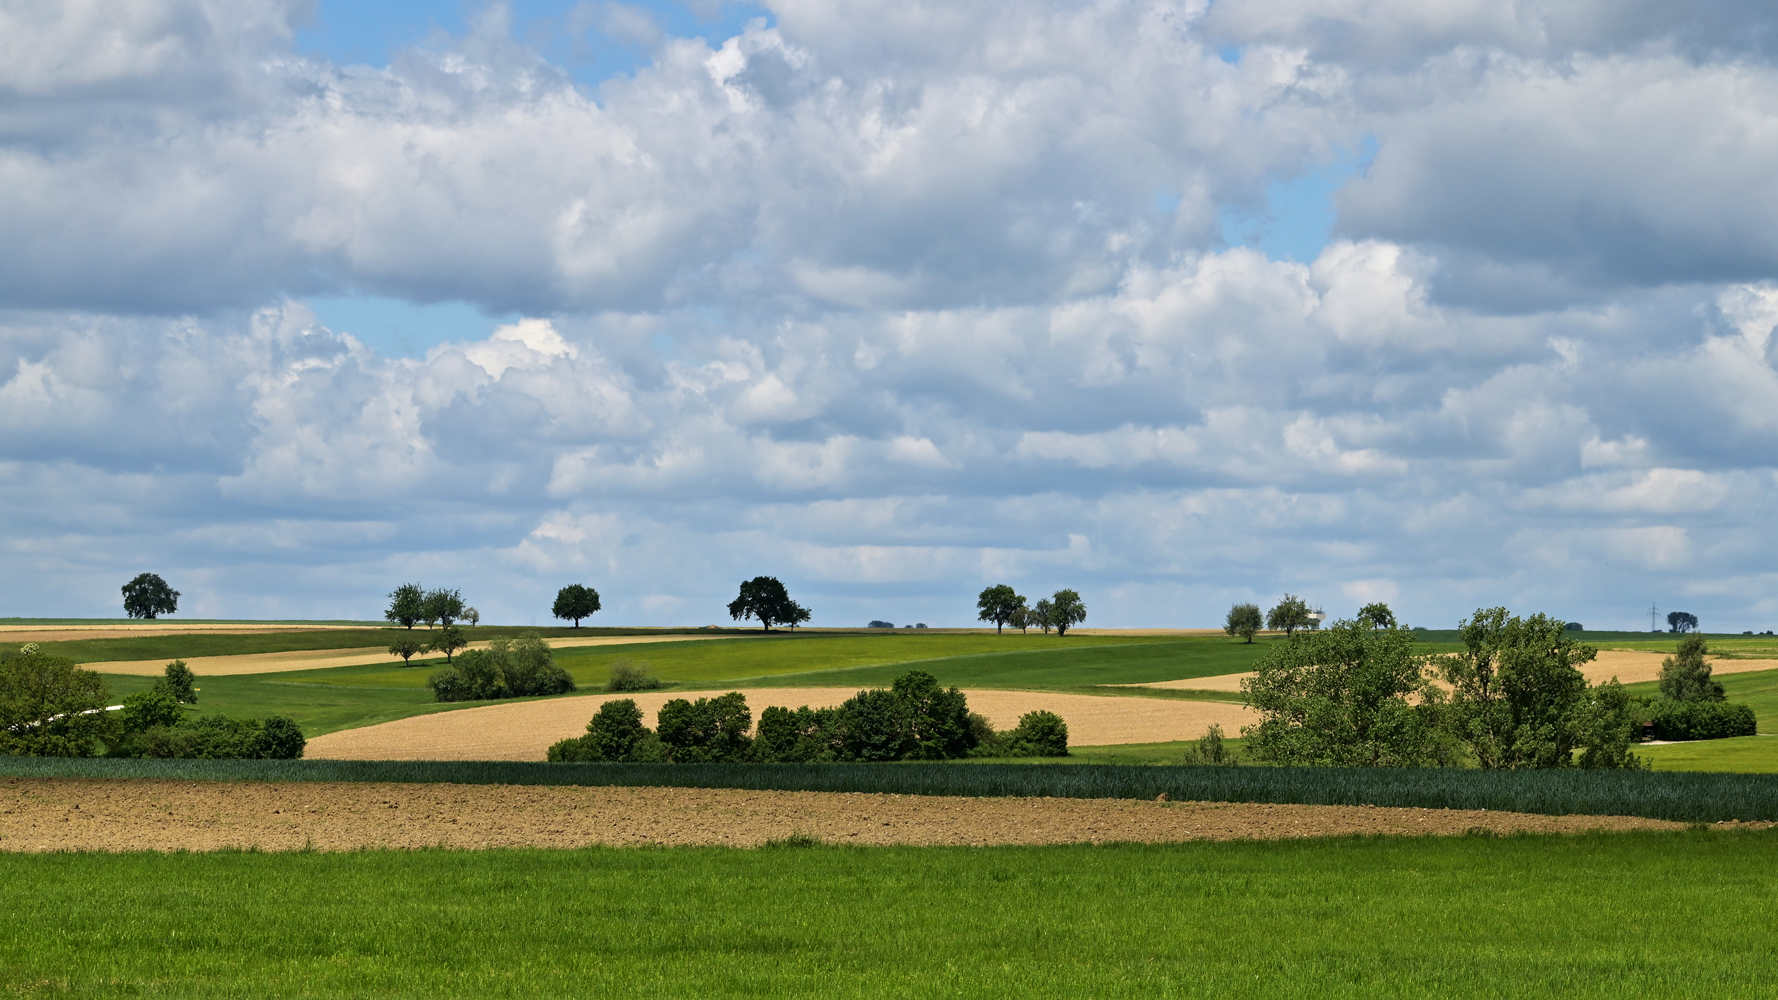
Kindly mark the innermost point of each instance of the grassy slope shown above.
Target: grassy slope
(172, 647)
(1671, 915)
(336, 698)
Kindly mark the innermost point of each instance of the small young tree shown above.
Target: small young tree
(1686, 676)
(148, 596)
(1066, 611)
(764, 599)
(180, 683)
(998, 604)
(406, 647)
(575, 602)
(407, 605)
(472, 616)
(1244, 620)
(1040, 614)
(1377, 615)
(448, 640)
(1290, 615)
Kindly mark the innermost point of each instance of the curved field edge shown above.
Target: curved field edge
(1647, 915)
(1690, 797)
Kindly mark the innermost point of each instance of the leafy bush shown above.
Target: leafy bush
(708, 731)
(508, 668)
(1209, 750)
(628, 675)
(616, 733)
(1699, 720)
(49, 707)
(1038, 734)
(797, 736)
(217, 737)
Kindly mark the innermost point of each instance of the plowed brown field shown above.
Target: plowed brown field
(523, 731)
(86, 815)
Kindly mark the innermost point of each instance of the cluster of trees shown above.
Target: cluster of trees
(914, 719)
(1004, 606)
(765, 600)
(410, 604)
(1357, 694)
(1693, 705)
(49, 707)
(1289, 615)
(508, 668)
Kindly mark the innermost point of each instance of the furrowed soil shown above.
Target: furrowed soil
(524, 730)
(143, 815)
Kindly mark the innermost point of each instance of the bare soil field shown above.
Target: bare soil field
(312, 659)
(1629, 666)
(92, 815)
(524, 730)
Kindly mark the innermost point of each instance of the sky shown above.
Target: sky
(1446, 304)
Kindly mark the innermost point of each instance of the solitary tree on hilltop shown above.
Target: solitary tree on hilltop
(1377, 615)
(998, 604)
(1677, 621)
(148, 596)
(575, 602)
(407, 605)
(764, 598)
(1244, 620)
(1290, 615)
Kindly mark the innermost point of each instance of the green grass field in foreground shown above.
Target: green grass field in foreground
(1631, 915)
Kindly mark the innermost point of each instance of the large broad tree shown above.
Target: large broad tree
(407, 605)
(1244, 620)
(765, 600)
(575, 602)
(1519, 699)
(998, 604)
(1289, 615)
(1066, 611)
(1378, 615)
(1341, 697)
(148, 596)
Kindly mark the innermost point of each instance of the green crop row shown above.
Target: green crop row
(1674, 795)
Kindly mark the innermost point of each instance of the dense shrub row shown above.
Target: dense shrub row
(508, 668)
(1699, 720)
(915, 719)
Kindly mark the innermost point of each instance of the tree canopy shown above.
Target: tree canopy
(765, 600)
(442, 606)
(1377, 615)
(148, 596)
(998, 604)
(407, 605)
(1289, 615)
(51, 708)
(1066, 611)
(575, 602)
(1682, 621)
(1244, 620)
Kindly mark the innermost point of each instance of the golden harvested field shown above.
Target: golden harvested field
(312, 659)
(1629, 666)
(524, 730)
(138, 630)
(41, 814)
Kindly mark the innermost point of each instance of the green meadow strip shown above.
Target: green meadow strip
(1683, 796)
